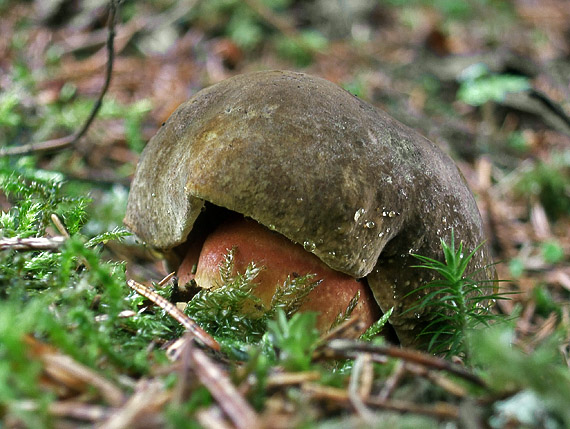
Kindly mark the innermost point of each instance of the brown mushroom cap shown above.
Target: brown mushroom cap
(325, 169)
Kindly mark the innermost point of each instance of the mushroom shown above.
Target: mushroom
(303, 162)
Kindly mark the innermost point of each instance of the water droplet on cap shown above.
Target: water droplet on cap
(358, 214)
(309, 245)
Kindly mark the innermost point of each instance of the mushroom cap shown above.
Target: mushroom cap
(309, 160)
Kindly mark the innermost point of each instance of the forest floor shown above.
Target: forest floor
(487, 81)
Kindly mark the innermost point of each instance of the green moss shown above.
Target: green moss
(457, 304)
(548, 182)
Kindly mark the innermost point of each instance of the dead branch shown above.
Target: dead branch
(350, 349)
(226, 394)
(393, 381)
(67, 141)
(440, 410)
(72, 374)
(291, 378)
(176, 314)
(149, 397)
(360, 386)
(31, 243)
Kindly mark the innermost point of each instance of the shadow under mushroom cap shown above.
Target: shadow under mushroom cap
(325, 169)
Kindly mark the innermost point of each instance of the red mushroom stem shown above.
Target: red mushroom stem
(280, 258)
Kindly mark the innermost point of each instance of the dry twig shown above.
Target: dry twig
(360, 386)
(149, 397)
(351, 349)
(349, 329)
(292, 378)
(67, 141)
(31, 243)
(176, 314)
(73, 375)
(226, 394)
(69, 409)
(393, 381)
(213, 418)
(59, 225)
(439, 410)
(438, 379)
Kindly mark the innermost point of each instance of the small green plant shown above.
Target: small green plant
(540, 373)
(552, 251)
(516, 267)
(458, 303)
(294, 339)
(549, 183)
(301, 49)
(545, 302)
(517, 141)
(479, 85)
(9, 117)
(239, 20)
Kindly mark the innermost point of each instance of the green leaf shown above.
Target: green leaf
(479, 85)
(295, 339)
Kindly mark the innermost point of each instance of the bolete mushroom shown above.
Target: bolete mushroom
(304, 165)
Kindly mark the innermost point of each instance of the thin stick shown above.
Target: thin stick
(59, 225)
(67, 141)
(357, 384)
(72, 409)
(438, 378)
(350, 349)
(226, 394)
(166, 279)
(63, 231)
(149, 395)
(31, 243)
(175, 313)
(213, 418)
(65, 370)
(440, 410)
(392, 382)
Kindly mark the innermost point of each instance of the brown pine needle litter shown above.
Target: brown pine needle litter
(80, 348)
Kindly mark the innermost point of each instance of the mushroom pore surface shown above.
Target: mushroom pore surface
(307, 159)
